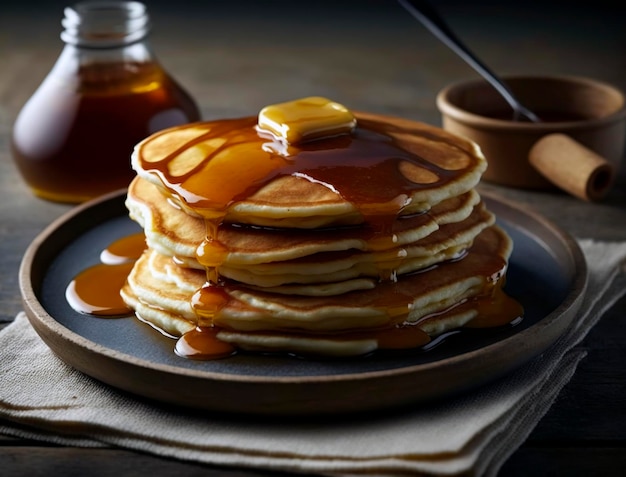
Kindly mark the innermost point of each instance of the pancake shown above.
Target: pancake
(443, 164)
(436, 301)
(270, 257)
(171, 228)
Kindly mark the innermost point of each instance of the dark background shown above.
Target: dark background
(522, 37)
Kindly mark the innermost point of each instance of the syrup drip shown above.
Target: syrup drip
(202, 343)
(490, 310)
(96, 290)
(124, 250)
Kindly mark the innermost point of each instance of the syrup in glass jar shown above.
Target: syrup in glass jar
(73, 138)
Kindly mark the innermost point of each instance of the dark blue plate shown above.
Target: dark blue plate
(547, 274)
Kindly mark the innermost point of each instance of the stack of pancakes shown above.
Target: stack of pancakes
(315, 257)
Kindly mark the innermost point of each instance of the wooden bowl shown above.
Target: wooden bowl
(589, 112)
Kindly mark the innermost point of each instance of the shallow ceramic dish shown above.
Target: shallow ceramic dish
(547, 274)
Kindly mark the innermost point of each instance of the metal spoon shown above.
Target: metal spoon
(428, 16)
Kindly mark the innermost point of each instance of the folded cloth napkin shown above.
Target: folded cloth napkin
(42, 398)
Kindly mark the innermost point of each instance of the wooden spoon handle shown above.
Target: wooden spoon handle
(572, 167)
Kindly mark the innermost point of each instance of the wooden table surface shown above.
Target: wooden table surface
(237, 57)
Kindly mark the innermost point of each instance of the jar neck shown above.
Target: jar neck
(105, 24)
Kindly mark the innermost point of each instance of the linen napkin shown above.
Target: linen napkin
(42, 398)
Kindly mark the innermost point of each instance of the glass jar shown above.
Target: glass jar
(73, 138)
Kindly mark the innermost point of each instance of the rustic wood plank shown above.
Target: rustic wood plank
(573, 461)
(33, 461)
(592, 405)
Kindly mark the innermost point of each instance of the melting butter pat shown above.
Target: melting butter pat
(305, 119)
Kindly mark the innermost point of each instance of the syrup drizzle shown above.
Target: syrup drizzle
(96, 290)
